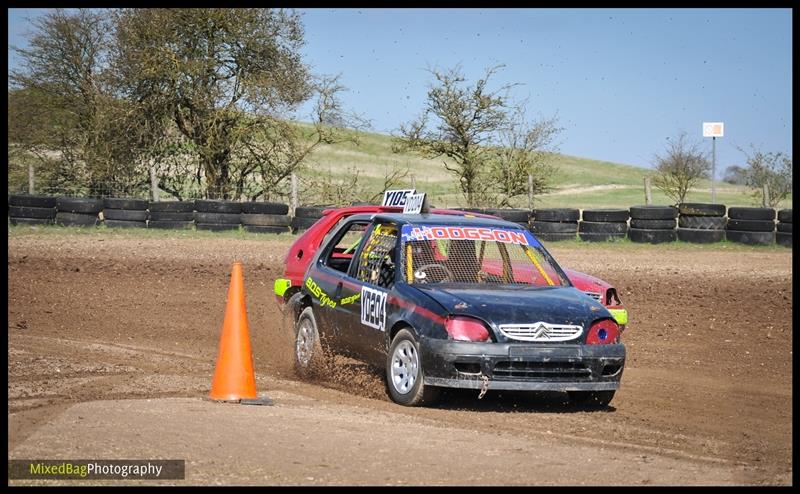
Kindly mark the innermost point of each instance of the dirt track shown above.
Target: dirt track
(134, 322)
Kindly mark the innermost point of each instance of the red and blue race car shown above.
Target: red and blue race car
(451, 300)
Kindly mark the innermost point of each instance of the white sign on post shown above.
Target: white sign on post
(397, 197)
(713, 129)
(414, 203)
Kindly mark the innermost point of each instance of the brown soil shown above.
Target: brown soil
(134, 322)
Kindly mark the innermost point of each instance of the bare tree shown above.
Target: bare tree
(681, 166)
(469, 124)
(773, 169)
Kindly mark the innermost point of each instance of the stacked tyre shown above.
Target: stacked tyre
(652, 224)
(31, 209)
(701, 223)
(305, 216)
(751, 226)
(124, 212)
(265, 217)
(518, 216)
(784, 234)
(554, 224)
(600, 225)
(171, 215)
(217, 215)
(78, 211)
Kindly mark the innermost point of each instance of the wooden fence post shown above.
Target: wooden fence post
(294, 193)
(648, 195)
(530, 192)
(30, 179)
(765, 196)
(153, 183)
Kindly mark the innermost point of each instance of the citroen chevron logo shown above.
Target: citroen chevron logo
(541, 331)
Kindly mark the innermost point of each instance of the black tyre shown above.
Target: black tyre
(750, 238)
(702, 222)
(513, 215)
(217, 218)
(556, 214)
(265, 220)
(700, 236)
(76, 219)
(750, 225)
(784, 239)
(737, 213)
(32, 201)
(31, 212)
(653, 212)
(784, 227)
(222, 207)
(602, 227)
(605, 215)
(265, 208)
(405, 375)
(785, 215)
(31, 221)
(172, 206)
(217, 227)
(701, 209)
(642, 235)
(125, 203)
(82, 205)
(302, 223)
(554, 227)
(124, 224)
(170, 216)
(556, 237)
(653, 224)
(601, 237)
(593, 399)
(310, 211)
(170, 225)
(125, 214)
(309, 357)
(266, 229)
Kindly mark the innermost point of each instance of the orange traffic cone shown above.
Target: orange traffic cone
(234, 378)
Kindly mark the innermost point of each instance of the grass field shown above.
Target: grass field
(579, 182)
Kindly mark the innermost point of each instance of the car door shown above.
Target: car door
(365, 293)
(325, 280)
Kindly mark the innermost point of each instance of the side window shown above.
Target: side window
(346, 245)
(376, 262)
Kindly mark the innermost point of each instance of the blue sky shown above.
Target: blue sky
(620, 80)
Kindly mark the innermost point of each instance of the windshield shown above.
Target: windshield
(476, 255)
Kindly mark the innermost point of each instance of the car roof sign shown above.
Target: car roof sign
(396, 197)
(415, 204)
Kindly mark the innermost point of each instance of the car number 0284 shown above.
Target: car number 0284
(373, 308)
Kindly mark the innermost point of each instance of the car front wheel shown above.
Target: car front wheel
(404, 372)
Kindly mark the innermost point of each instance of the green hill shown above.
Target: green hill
(579, 182)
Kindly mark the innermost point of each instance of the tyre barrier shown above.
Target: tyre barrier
(783, 236)
(701, 223)
(305, 216)
(78, 211)
(124, 212)
(652, 224)
(554, 224)
(602, 225)
(751, 226)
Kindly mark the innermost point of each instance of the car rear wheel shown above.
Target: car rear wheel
(308, 354)
(595, 399)
(404, 372)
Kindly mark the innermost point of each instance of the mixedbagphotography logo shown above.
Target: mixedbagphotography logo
(96, 469)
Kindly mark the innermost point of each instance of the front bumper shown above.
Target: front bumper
(525, 367)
